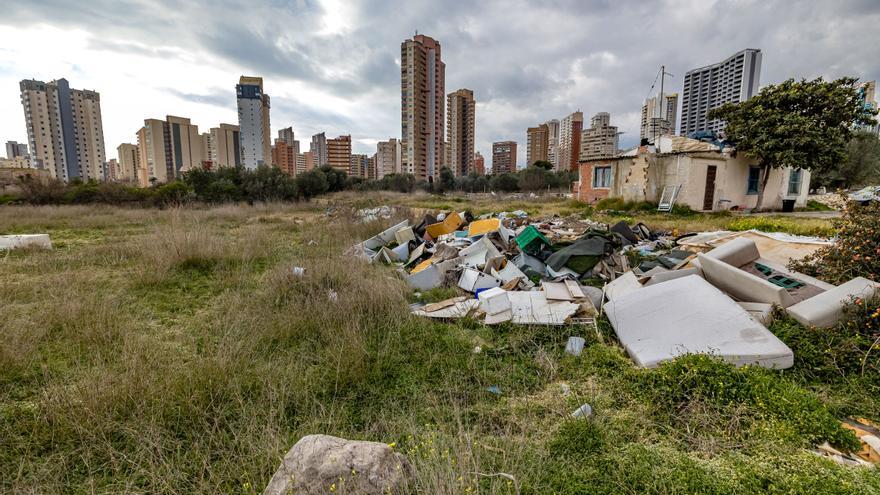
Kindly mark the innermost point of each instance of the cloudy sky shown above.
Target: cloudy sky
(333, 65)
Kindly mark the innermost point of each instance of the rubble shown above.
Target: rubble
(665, 295)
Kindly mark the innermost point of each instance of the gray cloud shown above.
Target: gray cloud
(526, 62)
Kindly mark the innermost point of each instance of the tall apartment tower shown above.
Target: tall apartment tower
(339, 153)
(127, 158)
(422, 91)
(503, 157)
(659, 119)
(387, 158)
(553, 142)
(479, 163)
(600, 139)
(570, 129)
(65, 131)
(287, 135)
(253, 122)
(15, 149)
(319, 149)
(168, 148)
(460, 131)
(537, 144)
(225, 149)
(359, 166)
(284, 157)
(733, 80)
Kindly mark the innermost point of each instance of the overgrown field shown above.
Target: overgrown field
(172, 351)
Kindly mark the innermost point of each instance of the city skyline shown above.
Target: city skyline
(338, 76)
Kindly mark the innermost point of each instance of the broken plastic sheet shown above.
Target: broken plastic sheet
(689, 315)
(458, 307)
(533, 308)
(478, 253)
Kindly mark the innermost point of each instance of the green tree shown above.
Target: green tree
(311, 183)
(800, 124)
(447, 180)
(543, 164)
(533, 178)
(862, 164)
(505, 182)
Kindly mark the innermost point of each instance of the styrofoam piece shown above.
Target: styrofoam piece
(575, 346)
(533, 308)
(459, 309)
(471, 280)
(584, 411)
(556, 291)
(25, 240)
(478, 253)
(622, 285)
(741, 284)
(432, 276)
(824, 310)
(690, 315)
(494, 300)
(404, 235)
(658, 278)
(761, 312)
(510, 272)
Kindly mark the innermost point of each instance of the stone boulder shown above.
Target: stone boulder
(317, 462)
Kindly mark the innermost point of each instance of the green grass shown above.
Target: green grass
(174, 351)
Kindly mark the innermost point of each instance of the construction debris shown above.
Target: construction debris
(25, 241)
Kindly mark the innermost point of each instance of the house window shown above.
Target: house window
(602, 177)
(794, 181)
(754, 177)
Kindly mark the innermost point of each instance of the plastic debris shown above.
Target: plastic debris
(585, 411)
(575, 346)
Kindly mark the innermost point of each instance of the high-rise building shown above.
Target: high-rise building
(553, 142)
(658, 120)
(300, 163)
(284, 157)
(319, 149)
(309, 161)
(15, 149)
(503, 157)
(186, 146)
(868, 93)
(111, 170)
(388, 158)
(359, 166)
(422, 90)
(339, 153)
(600, 139)
(568, 149)
(733, 80)
(65, 131)
(225, 146)
(537, 144)
(460, 130)
(152, 160)
(168, 148)
(286, 135)
(479, 163)
(127, 158)
(253, 122)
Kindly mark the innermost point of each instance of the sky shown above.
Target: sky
(334, 65)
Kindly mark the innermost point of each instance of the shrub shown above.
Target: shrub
(504, 182)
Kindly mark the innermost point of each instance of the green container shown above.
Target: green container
(530, 240)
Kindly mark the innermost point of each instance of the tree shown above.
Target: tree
(311, 183)
(447, 180)
(543, 164)
(799, 124)
(505, 182)
(533, 178)
(862, 164)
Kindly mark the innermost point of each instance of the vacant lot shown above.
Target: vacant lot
(172, 351)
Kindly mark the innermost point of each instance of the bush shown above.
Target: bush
(856, 253)
(504, 182)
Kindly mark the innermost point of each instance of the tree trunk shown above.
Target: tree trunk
(765, 169)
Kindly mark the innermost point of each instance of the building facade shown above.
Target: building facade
(600, 139)
(339, 153)
(537, 144)
(318, 148)
(153, 159)
(568, 149)
(868, 93)
(359, 166)
(733, 80)
(284, 157)
(460, 131)
(65, 130)
(479, 163)
(15, 149)
(503, 157)
(253, 122)
(225, 146)
(422, 91)
(388, 158)
(658, 119)
(127, 158)
(188, 149)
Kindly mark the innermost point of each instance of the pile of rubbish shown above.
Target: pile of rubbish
(664, 295)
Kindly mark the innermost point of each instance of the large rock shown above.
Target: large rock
(316, 462)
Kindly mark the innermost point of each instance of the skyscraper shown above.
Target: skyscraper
(460, 130)
(168, 148)
(319, 149)
(339, 153)
(152, 160)
(569, 141)
(287, 135)
(253, 122)
(284, 157)
(422, 90)
(600, 139)
(359, 166)
(15, 149)
(537, 144)
(503, 157)
(659, 120)
(127, 158)
(553, 142)
(225, 149)
(387, 158)
(733, 80)
(65, 131)
(479, 163)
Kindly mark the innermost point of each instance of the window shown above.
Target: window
(754, 177)
(794, 181)
(601, 177)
